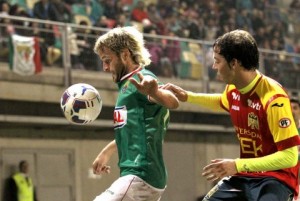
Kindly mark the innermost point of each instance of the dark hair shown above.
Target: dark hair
(22, 163)
(240, 45)
(295, 100)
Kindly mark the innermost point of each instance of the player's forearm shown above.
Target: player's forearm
(279, 160)
(165, 98)
(109, 149)
(209, 101)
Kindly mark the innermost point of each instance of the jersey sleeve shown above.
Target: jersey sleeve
(281, 123)
(209, 101)
(224, 98)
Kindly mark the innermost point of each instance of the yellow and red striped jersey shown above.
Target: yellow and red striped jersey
(263, 122)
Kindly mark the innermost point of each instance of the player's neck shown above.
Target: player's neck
(245, 78)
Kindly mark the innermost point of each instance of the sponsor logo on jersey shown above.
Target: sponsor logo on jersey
(284, 122)
(253, 122)
(235, 96)
(254, 105)
(247, 133)
(235, 107)
(277, 105)
(120, 117)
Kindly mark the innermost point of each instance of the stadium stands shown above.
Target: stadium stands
(269, 22)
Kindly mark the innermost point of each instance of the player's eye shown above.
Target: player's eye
(106, 61)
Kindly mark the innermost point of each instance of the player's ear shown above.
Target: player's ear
(125, 54)
(233, 63)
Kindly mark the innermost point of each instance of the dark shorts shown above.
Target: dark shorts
(250, 189)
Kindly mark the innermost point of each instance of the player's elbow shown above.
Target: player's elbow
(293, 156)
(173, 104)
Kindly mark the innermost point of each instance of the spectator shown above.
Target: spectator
(244, 4)
(21, 186)
(74, 50)
(65, 14)
(102, 22)
(243, 20)
(155, 18)
(139, 13)
(295, 4)
(4, 7)
(85, 42)
(6, 30)
(193, 28)
(49, 53)
(122, 20)
(45, 10)
(258, 20)
(172, 52)
(155, 49)
(110, 10)
(20, 27)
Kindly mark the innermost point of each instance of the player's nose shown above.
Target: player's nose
(105, 67)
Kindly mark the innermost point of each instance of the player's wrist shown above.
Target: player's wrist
(238, 165)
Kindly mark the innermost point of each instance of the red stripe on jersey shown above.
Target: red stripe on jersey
(273, 98)
(287, 143)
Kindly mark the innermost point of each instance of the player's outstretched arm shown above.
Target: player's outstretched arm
(180, 93)
(205, 100)
(100, 163)
(149, 87)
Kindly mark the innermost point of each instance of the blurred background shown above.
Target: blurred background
(179, 35)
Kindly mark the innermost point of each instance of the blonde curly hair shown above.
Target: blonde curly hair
(121, 38)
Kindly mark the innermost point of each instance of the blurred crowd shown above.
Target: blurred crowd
(273, 23)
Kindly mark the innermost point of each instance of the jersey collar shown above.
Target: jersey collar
(251, 86)
(131, 74)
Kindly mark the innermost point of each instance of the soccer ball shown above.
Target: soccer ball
(81, 103)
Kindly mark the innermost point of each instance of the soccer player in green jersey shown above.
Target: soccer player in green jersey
(141, 118)
(260, 110)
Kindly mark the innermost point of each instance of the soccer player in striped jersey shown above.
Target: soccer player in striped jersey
(260, 110)
(141, 118)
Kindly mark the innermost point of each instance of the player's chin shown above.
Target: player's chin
(114, 78)
(219, 77)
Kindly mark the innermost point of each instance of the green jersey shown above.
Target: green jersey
(140, 127)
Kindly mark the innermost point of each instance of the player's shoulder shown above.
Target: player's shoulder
(270, 90)
(229, 88)
(147, 72)
(270, 86)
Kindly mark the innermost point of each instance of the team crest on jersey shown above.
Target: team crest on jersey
(120, 117)
(253, 122)
(284, 122)
(124, 88)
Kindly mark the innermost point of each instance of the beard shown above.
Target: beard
(120, 71)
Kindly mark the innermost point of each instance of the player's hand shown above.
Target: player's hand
(99, 165)
(219, 168)
(147, 85)
(180, 93)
